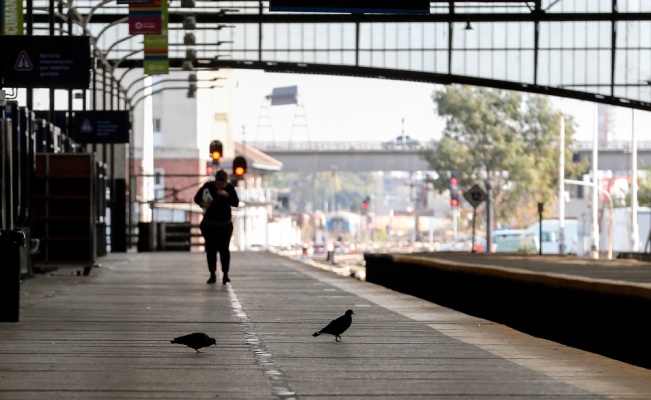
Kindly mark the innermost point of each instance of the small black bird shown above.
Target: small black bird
(195, 340)
(337, 326)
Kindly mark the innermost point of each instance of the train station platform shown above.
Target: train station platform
(107, 336)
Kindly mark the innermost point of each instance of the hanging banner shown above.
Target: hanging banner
(133, 1)
(146, 19)
(156, 61)
(12, 14)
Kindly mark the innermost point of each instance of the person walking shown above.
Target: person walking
(216, 198)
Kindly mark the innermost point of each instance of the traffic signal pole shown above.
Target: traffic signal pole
(455, 226)
(489, 217)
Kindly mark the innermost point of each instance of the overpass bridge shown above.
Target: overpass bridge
(360, 156)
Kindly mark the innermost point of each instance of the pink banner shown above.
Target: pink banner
(145, 25)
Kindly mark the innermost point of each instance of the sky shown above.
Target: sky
(335, 108)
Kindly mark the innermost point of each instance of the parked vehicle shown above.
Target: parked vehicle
(508, 240)
(550, 239)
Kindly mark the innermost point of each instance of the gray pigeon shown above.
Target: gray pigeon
(195, 340)
(337, 326)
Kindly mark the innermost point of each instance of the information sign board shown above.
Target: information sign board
(101, 127)
(55, 62)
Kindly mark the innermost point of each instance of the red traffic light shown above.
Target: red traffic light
(454, 202)
(365, 202)
(454, 181)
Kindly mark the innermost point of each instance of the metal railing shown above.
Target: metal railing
(374, 145)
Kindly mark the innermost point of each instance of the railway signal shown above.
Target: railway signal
(216, 151)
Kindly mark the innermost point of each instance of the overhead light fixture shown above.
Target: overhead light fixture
(468, 26)
(192, 89)
(189, 39)
(189, 22)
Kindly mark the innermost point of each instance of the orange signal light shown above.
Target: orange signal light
(239, 171)
(216, 151)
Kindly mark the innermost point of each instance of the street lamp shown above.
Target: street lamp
(194, 79)
(134, 103)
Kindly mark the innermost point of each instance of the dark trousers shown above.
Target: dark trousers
(217, 240)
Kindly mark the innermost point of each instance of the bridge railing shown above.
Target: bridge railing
(614, 145)
(323, 145)
(374, 145)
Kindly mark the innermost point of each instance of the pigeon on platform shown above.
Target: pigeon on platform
(337, 326)
(196, 340)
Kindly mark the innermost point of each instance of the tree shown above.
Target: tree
(312, 191)
(503, 138)
(644, 190)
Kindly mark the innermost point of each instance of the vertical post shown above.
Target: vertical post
(147, 162)
(541, 207)
(455, 224)
(595, 186)
(489, 217)
(10, 243)
(561, 188)
(474, 218)
(50, 115)
(635, 231)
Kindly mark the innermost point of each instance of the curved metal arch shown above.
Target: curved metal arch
(275, 40)
(404, 75)
(429, 77)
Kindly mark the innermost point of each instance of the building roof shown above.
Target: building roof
(256, 158)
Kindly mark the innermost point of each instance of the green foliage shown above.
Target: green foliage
(506, 138)
(317, 189)
(644, 190)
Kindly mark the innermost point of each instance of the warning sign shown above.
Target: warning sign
(23, 62)
(86, 126)
(101, 126)
(56, 62)
(475, 196)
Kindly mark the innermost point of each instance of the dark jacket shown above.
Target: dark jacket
(220, 208)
